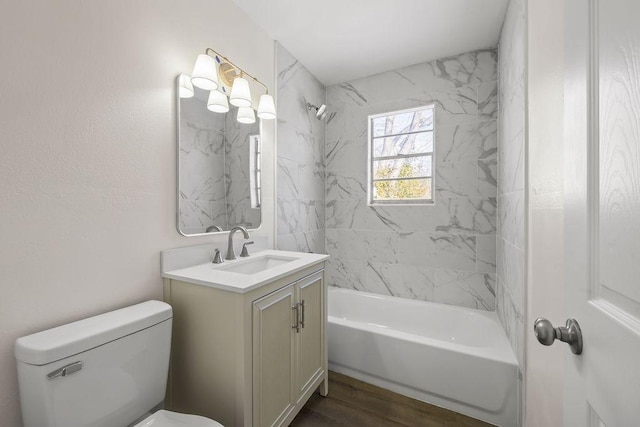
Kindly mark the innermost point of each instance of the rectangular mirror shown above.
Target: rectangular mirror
(218, 185)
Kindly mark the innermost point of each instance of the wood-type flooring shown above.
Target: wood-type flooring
(354, 403)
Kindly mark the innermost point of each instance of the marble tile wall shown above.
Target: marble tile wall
(202, 197)
(236, 170)
(300, 157)
(510, 295)
(214, 180)
(444, 252)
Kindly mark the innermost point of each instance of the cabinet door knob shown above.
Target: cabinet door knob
(302, 307)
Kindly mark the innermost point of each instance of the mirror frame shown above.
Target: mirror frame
(177, 101)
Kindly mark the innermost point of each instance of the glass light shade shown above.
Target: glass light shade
(186, 88)
(266, 108)
(240, 94)
(246, 115)
(204, 73)
(217, 102)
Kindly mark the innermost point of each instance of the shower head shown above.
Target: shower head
(321, 111)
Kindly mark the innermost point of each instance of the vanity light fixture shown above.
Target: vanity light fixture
(246, 115)
(186, 88)
(205, 76)
(240, 93)
(266, 108)
(204, 73)
(217, 102)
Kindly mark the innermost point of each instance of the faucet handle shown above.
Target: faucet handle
(245, 252)
(217, 258)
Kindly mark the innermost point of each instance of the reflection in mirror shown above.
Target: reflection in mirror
(218, 168)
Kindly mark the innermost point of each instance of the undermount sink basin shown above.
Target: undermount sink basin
(256, 265)
(240, 275)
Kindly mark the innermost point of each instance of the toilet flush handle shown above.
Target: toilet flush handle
(65, 370)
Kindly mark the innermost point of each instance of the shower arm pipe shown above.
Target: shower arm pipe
(242, 71)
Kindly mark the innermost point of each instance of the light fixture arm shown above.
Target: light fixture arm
(242, 71)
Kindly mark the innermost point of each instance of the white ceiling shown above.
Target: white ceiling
(340, 40)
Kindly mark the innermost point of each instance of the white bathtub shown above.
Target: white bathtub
(448, 356)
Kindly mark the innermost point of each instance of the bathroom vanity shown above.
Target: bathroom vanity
(249, 337)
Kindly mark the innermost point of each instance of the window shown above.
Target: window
(401, 156)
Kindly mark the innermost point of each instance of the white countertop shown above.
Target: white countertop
(209, 274)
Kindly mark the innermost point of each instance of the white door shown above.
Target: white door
(602, 190)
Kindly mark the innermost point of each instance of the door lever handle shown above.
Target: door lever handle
(547, 334)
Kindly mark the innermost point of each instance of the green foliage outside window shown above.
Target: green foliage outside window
(401, 189)
(401, 146)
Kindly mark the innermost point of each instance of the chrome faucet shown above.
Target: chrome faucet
(230, 252)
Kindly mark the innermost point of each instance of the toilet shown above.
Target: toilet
(108, 370)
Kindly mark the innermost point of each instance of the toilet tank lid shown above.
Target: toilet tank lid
(67, 340)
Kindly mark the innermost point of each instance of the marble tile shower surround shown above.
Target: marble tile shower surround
(510, 250)
(202, 197)
(300, 157)
(444, 252)
(511, 176)
(214, 184)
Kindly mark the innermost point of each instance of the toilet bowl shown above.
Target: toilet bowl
(103, 371)
(164, 418)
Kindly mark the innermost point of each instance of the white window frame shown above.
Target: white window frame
(371, 158)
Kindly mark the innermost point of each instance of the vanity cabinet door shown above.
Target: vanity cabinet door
(310, 345)
(274, 396)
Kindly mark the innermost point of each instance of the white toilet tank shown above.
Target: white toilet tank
(116, 368)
